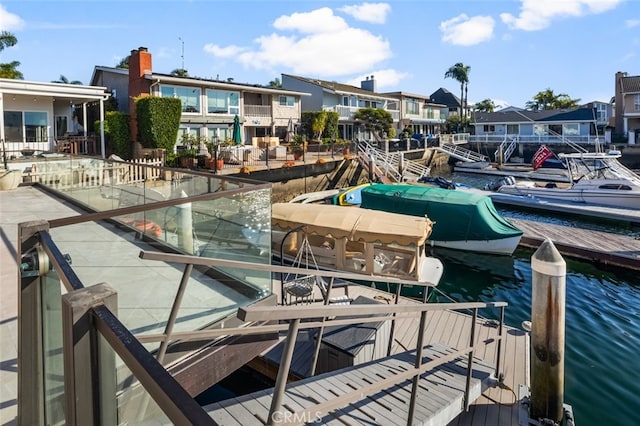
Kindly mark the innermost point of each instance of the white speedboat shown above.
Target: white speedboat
(595, 178)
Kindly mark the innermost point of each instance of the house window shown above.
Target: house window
(287, 100)
(28, 126)
(489, 128)
(636, 103)
(513, 129)
(223, 102)
(13, 126)
(61, 125)
(572, 129)
(540, 129)
(413, 107)
(190, 97)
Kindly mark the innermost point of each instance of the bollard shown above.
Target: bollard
(547, 333)
(185, 226)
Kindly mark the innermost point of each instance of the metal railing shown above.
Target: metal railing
(393, 165)
(462, 154)
(297, 319)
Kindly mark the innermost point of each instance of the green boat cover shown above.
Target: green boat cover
(458, 215)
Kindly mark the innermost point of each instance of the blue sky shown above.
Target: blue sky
(514, 48)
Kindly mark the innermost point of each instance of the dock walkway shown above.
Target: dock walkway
(439, 401)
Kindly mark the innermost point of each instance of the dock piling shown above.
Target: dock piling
(547, 333)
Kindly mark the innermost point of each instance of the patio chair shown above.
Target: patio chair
(323, 285)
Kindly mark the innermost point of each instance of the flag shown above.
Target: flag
(541, 155)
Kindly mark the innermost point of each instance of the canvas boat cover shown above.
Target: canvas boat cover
(353, 223)
(457, 215)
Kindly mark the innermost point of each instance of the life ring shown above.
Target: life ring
(145, 226)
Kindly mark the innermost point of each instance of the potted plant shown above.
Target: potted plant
(297, 146)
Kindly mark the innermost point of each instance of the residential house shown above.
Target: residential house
(603, 113)
(445, 97)
(208, 106)
(419, 112)
(35, 115)
(627, 106)
(545, 126)
(343, 99)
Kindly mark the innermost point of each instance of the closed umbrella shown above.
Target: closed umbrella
(236, 136)
(290, 131)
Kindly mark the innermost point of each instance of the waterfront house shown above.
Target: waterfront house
(36, 115)
(445, 97)
(603, 113)
(343, 99)
(546, 126)
(627, 106)
(419, 112)
(208, 105)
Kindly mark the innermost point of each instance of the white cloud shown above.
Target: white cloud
(319, 44)
(538, 14)
(631, 23)
(317, 21)
(465, 31)
(375, 13)
(9, 21)
(383, 78)
(223, 52)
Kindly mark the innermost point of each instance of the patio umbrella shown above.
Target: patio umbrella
(290, 131)
(236, 136)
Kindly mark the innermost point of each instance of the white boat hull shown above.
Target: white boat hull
(612, 198)
(502, 246)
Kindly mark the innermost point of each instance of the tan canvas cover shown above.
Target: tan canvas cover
(352, 222)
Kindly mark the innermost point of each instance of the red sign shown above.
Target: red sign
(541, 155)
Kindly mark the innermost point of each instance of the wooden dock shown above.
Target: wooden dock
(445, 331)
(594, 246)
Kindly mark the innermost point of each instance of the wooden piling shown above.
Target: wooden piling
(547, 333)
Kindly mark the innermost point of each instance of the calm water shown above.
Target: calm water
(602, 341)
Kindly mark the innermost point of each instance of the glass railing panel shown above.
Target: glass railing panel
(53, 362)
(134, 404)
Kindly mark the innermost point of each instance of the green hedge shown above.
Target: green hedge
(116, 130)
(158, 121)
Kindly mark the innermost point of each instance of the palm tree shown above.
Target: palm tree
(65, 80)
(7, 40)
(9, 70)
(546, 100)
(275, 83)
(460, 73)
(485, 105)
(124, 63)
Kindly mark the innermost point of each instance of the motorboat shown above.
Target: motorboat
(463, 220)
(363, 242)
(596, 178)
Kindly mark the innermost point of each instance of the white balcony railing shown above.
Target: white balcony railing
(257, 110)
(347, 113)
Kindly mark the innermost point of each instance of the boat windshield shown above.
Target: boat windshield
(599, 168)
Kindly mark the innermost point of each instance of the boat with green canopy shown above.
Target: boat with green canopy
(462, 220)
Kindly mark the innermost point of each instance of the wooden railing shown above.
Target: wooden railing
(69, 173)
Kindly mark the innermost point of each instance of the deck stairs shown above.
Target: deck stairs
(444, 384)
(462, 154)
(391, 166)
(506, 149)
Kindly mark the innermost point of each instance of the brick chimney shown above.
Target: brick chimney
(139, 85)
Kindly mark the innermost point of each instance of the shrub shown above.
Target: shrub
(158, 121)
(116, 130)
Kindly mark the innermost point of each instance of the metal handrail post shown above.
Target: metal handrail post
(283, 371)
(174, 312)
(418, 364)
(500, 337)
(472, 339)
(316, 351)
